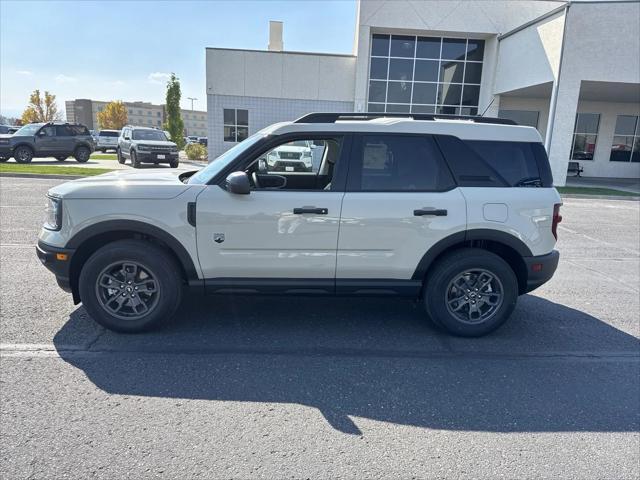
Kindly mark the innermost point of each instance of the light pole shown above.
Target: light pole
(192, 100)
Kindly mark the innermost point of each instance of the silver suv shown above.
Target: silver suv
(458, 212)
(146, 145)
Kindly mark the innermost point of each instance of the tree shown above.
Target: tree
(174, 123)
(113, 116)
(41, 109)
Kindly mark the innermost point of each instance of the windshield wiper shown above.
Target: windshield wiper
(529, 182)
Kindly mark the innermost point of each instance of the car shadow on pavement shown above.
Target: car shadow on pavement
(549, 369)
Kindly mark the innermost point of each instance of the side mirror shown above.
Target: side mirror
(126, 137)
(238, 183)
(42, 133)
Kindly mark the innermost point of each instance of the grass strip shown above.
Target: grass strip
(50, 170)
(596, 191)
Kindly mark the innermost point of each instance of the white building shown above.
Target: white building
(571, 69)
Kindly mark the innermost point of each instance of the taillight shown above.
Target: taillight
(557, 218)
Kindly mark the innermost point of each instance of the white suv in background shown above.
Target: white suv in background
(459, 212)
(107, 140)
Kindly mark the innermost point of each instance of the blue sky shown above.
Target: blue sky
(107, 50)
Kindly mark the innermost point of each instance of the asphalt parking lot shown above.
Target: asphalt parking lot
(256, 387)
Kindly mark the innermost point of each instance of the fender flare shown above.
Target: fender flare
(135, 226)
(441, 246)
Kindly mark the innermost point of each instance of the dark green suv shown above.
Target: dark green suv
(52, 139)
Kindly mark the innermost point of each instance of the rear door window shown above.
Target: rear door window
(399, 163)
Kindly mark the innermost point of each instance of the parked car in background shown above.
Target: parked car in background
(52, 139)
(146, 145)
(203, 141)
(107, 140)
(293, 156)
(8, 129)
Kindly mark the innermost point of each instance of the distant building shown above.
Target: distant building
(570, 69)
(143, 114)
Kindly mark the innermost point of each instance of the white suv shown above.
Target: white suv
(459, 212)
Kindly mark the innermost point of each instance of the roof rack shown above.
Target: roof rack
(328, 117)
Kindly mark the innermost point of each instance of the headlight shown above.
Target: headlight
(174, 148)
(143, 148)
(53, 213)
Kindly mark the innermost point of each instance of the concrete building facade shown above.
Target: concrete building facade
(571, 69)
(142, 114)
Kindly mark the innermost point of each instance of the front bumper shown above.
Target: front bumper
(290, 166)
(154, 157)
(58, 261)
(540, 269)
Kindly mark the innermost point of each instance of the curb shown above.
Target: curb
(600, 197)
(41, 175)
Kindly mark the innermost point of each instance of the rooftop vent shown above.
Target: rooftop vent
(275, 36)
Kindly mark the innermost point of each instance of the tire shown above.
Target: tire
(100, 300)
(134, 159)
(477, 312)
(3, 159)
(23, 154)
(82, 154)
(61, 158)
(121, 159)
(174, 164)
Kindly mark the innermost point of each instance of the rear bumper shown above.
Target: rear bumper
(540, 269)
(58, 261)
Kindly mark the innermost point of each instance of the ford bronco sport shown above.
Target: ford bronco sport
(51, 139)
(458, 212)
(146, 145)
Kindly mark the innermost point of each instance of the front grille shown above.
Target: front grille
(288, 164)
(156, 149)
(290, 155)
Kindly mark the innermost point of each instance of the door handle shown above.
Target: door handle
(430, 211)
(318, 211)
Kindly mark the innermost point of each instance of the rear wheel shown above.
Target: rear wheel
(470, 292)
(23, 154)
(82, 154)
(130, 286)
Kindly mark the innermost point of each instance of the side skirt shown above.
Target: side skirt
(313, 286)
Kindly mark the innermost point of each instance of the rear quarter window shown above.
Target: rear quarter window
(483, 163)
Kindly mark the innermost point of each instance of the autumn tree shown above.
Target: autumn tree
(113, 116)
(174, 124)
(41, 109)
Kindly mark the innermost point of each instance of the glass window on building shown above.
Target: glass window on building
(425, 74)
(585, 134)
(626, 139)
(521, 117)
(236, 124)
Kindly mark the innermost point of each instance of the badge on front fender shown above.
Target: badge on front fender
(218, 237)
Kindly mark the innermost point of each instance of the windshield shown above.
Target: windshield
(149, 135)
(217, 165)
(29, 130)
(109, 133)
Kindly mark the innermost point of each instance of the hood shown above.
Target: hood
(158, 143)
(293, 148)
(125, 184)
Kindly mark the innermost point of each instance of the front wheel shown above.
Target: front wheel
(130, 286)
(121, 159)
(3, 159)
(174, 164)
(23, 154)
(82, 154)
(134, 159)
(470, 292)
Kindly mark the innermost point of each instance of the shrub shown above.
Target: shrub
(195, 151)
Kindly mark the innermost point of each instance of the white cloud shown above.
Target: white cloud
(24, 72)
(116, 83)
(61, 78)
(159, 77)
